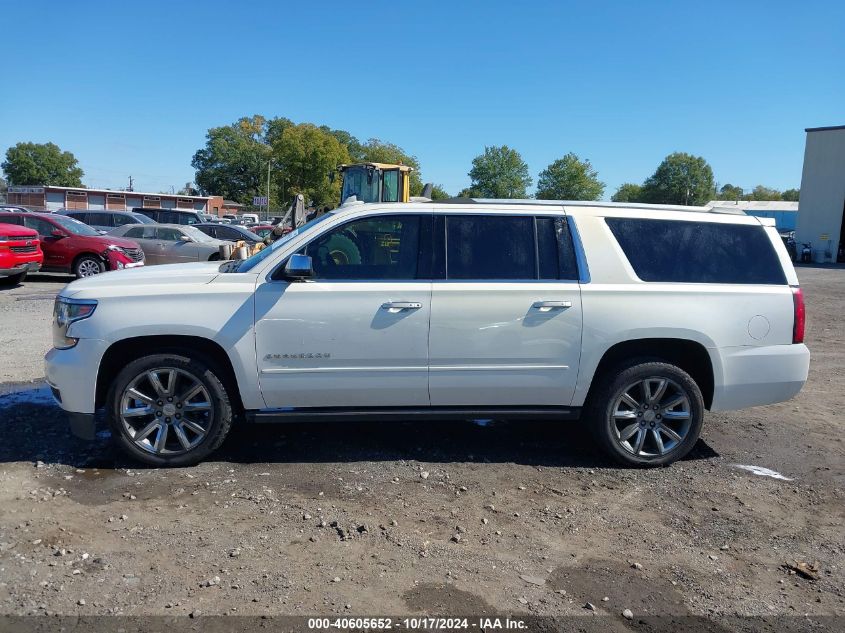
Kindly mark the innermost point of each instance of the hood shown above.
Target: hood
(102, 242)
(119, 241)
(14, 230)
(144, 280)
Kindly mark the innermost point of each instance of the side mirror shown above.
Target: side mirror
(58, 233)
(299, 267)
(185, 238)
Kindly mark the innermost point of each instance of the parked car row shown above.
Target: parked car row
(71, 246)
(85, 242)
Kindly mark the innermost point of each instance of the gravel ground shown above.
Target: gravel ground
(432, 518)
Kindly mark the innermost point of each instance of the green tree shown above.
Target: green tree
(439, 193)
(376, 151)
(730, 192)
(3, 185)
(500, 172)
(791, 195)
(628, 192)
(469, 192)
(41, 164)
(764, 193)
(569, 178)
(680, 179)
(233, 163)
(305, 157)
(352, 144)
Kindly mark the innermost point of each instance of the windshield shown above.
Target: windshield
(74, 226)
(195, 234)
(251, 262)
(141, 218)
(361, 183)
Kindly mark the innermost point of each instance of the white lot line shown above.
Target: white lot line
(762, 472)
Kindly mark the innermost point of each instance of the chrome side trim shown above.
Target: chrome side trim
(411, 414)
(420, 368)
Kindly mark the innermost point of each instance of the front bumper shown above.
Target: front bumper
(29, 267)
(119, 261)
(72, 376)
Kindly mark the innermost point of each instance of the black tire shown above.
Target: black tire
(652, 424)
(216, 422)
(86, 264)
(13, 280)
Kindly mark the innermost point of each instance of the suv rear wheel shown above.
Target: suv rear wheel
(169, 410)
(647, 413)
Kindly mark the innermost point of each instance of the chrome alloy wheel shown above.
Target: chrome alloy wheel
(88, 268)
(166, 411)
(651, 417)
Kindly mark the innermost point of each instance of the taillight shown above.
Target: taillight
(800, 315)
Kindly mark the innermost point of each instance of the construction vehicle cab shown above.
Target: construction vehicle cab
(376, 182)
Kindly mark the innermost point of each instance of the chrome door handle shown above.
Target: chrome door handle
(396, 306)
(547, 306)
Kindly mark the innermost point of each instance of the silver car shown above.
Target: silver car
(171, 243)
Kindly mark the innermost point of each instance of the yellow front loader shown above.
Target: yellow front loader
(376, 182)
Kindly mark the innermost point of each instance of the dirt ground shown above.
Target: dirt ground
(364, 519)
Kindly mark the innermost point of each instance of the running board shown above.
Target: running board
(411, 414)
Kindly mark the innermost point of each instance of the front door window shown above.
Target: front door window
(380, 247)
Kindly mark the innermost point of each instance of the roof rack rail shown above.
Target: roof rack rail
(593, 203)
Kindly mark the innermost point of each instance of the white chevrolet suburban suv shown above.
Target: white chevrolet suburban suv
(633, 318)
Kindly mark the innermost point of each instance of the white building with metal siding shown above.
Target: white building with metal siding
(823, 193)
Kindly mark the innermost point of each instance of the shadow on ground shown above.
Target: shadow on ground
(33, 428)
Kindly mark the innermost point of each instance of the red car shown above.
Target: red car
(20, 253)
(73, 247)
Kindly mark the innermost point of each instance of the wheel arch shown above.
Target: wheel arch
(126, 350)
(689, 355)
(93, 254)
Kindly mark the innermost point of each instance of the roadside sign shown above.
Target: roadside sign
(824, 237)
(259, 201)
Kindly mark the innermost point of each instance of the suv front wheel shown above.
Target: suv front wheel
(169, 410)
(647, 413)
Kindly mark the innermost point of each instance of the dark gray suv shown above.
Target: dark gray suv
(105, 220)
(171, 216)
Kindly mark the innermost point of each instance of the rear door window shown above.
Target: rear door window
(697, 252)
(490, 247)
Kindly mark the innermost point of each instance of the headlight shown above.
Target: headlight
(115, 247)
(65, 312)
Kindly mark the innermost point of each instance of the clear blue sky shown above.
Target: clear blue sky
(131, 88)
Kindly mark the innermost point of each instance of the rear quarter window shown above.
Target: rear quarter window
(697, 252)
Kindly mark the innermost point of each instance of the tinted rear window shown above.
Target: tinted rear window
(698, 252)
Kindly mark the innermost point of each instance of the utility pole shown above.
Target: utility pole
(131, 184)
(268, 187)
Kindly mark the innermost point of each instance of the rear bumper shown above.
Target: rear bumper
(753, 376)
